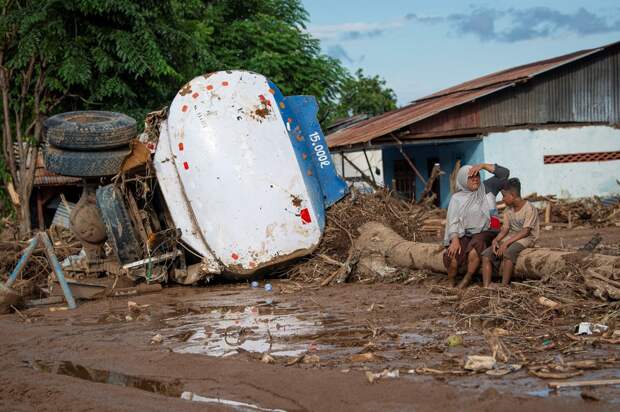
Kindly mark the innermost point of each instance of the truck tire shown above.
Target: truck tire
(89, 130)
(121, 233)
(84, 164)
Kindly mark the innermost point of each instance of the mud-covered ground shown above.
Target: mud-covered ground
(148, 352)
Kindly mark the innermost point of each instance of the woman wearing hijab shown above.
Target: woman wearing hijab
(471, 223)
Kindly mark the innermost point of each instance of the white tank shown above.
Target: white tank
(240, 174)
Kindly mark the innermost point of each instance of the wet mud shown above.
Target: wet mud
(186, 346)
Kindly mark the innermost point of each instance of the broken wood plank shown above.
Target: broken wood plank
(435, 173)
(576, 384)
(415, 170)
(364, 176)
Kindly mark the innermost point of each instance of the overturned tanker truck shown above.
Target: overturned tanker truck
(235, 180)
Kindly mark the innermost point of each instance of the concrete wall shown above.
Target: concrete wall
(522, 152)
(469, 152)
(374, 157)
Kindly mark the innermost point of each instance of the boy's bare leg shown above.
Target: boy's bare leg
(473, 263)
(452, 270)
(487, 271)
(507, 268)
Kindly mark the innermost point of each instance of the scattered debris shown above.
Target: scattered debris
(504, 370)
(343, 220)
(266, 358)
(592, 243)
(587, 328)
(478, 363)
(575, 384)
(364, 357)
(548, 302)
(157, 339)
(554, 375)
(385, 374)
(454, 340)
(311, 359)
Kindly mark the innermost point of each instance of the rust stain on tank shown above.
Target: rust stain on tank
(264, 108)
(262, 112)
(186, 89)
(296, 201)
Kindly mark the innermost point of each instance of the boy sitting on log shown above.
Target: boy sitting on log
(520, 230)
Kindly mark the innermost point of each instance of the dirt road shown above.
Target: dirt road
(208, 342)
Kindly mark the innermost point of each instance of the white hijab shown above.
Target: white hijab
(468, 212)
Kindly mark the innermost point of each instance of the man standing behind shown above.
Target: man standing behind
(519, 231)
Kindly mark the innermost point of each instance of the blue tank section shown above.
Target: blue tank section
(305, 110)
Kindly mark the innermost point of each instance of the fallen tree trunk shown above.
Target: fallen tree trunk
(383, 249)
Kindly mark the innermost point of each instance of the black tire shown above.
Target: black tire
(84, 164)
(121, 233)
(89, 130)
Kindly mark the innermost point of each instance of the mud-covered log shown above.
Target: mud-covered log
(378, 242)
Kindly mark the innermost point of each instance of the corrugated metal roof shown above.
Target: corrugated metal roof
(449, 98)
(63, 214)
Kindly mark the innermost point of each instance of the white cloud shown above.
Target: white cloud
(353, 31)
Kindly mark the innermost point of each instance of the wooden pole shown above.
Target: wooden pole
(429, 184)
(455, 171)
(548, 213)
(400, 148)
(369, 167)
(366, 178)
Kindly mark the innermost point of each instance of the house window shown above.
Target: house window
(404, 179)
(581, 157)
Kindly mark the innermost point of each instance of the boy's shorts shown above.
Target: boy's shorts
(511, 254)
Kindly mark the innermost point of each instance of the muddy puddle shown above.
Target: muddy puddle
(170, 389)
(248, 320)
(280, 329)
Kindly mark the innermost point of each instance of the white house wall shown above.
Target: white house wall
(522, 152)
(374, 157)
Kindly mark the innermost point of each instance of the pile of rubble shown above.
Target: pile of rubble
(593, 211)
(554, 213)
(335, 258)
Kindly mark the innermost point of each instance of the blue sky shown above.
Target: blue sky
(420, 47)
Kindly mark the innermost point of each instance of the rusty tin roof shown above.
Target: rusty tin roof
(443, 100)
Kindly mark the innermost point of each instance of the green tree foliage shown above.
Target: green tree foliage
(269, 37)
(58, 55)
(364, 95)
(132, 56)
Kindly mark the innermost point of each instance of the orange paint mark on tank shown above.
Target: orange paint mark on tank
(181, 146)
(209, 87)
(195, 95)
(224, 83)
(184, 108)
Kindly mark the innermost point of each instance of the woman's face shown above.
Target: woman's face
(473, 182)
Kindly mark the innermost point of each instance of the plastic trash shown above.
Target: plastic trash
(254, 284)
(588, 328)
(479, 363)
(454, 340)
(268, 287)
